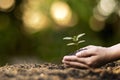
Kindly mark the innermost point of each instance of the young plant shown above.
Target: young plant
(75, 40)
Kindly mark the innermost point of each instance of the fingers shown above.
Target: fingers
(86, 53)
(90, 46)
(74, 59)
(75, 64)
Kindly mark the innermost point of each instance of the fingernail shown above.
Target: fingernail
(77, 54)
(65, 58)
(63, 61)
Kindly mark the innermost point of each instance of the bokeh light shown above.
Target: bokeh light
(61, 13)
(33, 18)
(96, 25)
(34, 21)
(6, 5)
(106, 7)
(98, 15)
(30, 4)
(101, 12)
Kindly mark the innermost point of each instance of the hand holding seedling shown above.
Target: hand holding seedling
(93, 56)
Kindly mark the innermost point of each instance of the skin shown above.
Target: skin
(93, 57)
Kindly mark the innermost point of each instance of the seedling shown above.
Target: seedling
(75, 41)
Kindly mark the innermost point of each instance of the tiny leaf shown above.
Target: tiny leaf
(69, 44)
(67, 38)
(81, 41)
(80, 35)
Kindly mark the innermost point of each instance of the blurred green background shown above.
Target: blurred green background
(33, 30)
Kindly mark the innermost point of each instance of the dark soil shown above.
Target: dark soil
(50, 71)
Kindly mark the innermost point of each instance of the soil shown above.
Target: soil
(49, 71)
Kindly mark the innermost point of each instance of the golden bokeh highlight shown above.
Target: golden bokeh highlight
(61, 13)
(33, 18)
(96, 25)
(34, 21)
(98, 15)
(5, 5)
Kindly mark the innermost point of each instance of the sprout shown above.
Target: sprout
(75, 39)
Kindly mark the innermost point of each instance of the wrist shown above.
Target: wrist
(113, 53)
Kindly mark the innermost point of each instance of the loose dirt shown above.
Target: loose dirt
(49, 71)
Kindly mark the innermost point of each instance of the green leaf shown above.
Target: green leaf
(80, 35)
(67, 38)
(70, 44)
(81, 41)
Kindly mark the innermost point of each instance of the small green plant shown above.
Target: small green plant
(75, 40)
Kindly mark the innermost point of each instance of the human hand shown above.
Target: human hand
(93, 56)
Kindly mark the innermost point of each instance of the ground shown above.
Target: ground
(49, 71)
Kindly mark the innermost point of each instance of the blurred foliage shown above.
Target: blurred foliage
(46, 44)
